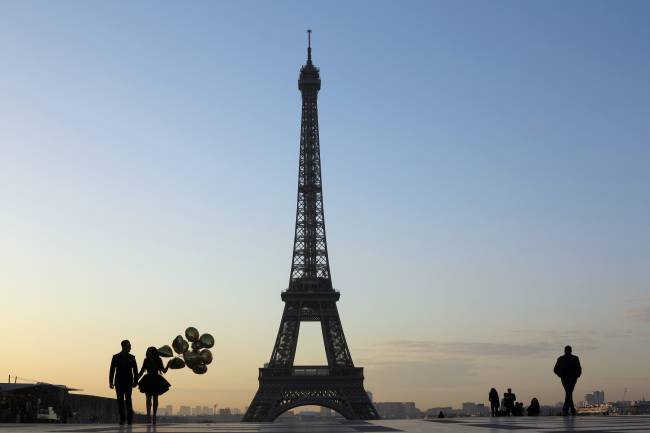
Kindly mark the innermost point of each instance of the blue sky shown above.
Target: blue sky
(485, 170)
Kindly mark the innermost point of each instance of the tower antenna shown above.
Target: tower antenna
(309, 46)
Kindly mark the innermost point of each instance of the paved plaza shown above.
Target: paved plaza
(620, 424)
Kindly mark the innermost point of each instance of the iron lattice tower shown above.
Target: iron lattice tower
(310, 297)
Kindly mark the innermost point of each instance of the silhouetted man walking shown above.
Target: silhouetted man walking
(509, 399)
(122, 377)
(569, 370)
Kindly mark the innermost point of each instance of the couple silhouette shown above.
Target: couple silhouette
(508, 404)
(124, 376)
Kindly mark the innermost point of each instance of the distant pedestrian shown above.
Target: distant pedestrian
(509, 399)
(441, 415)
(534, 409)
(121, 376)
(493, 396)
(569, 370)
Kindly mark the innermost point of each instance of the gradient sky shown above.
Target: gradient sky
(486, 179)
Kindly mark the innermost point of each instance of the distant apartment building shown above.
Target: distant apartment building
(184, 411)
(398, 410)
(207, 410)
(474, 409)
(595, 398)
(162, 411)
(467, 409)
(434, 411)
(236, 411)
(225, 411)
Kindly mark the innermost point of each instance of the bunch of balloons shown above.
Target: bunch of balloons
(196, 359)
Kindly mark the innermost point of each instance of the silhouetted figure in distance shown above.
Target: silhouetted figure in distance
(441, 415)
(569, 370)
(153, 384)
(494, 401)
(534, 409)
(509, 399)
(518, 409)
(122, 376)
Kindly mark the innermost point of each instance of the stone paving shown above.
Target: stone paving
(600, 424)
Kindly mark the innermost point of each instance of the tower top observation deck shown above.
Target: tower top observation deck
(309, 80)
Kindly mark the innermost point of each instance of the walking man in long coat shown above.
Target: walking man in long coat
(569, 370)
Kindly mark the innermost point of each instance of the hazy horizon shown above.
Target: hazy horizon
(486, 189)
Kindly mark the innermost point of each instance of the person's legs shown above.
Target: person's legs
(569, 385)
(120, 403)
(148, 408)
(129, 405)
(572, 385)
(155, 407)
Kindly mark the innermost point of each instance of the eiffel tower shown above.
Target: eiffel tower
(310, 297)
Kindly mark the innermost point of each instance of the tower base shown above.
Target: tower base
(339, 388)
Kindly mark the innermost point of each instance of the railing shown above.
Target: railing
(311, 371)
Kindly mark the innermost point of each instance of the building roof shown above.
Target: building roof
(8, 387)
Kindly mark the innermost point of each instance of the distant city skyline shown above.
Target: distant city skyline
(485, 172)
(394, 410)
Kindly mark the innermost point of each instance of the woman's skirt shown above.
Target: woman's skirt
(153, 384)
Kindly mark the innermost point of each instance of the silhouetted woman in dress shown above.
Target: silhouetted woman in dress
(153, 384)
(494, 401)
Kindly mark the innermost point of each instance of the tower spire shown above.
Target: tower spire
(309, 46)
